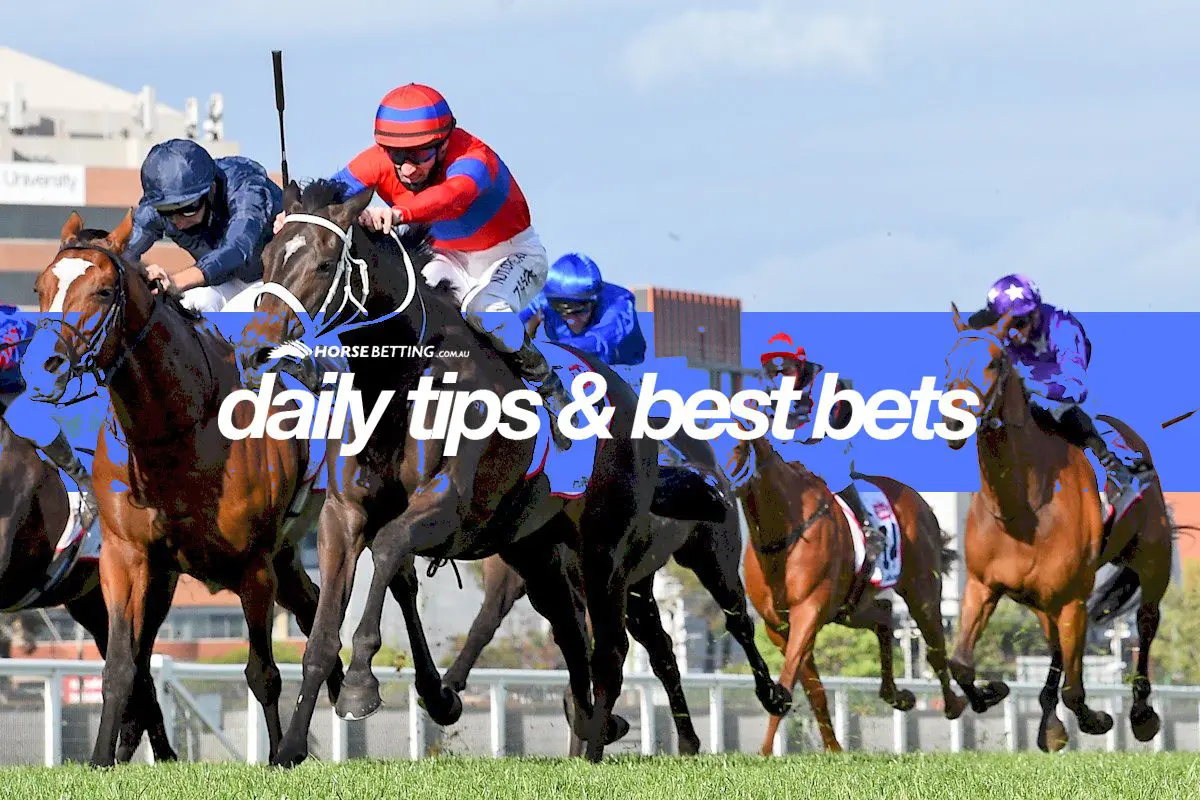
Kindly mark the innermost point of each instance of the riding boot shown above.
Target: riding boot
(874, 537)
(535, 369)
(63, 455)
(1131, 484)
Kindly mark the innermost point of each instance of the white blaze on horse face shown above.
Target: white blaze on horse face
(292, 245)
(67, 271)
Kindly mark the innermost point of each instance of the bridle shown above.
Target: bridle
(346, 271)
(990, 416)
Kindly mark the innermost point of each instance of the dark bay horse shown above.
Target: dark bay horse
(34, 510)
(800, 571)
(175, 494)
(1036, 533)
(402, 496)
(713, 551)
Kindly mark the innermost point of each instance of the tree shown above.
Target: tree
(1175, 653)
(533, 650)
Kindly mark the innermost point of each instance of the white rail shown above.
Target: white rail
(170, 674)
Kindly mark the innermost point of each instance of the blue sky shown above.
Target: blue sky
(825, 156)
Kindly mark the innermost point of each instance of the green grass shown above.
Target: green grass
(1066, 776)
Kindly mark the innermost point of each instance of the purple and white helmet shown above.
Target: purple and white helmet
(1014, 294)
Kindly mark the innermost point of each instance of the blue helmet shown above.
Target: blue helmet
(175, 173)
(573, 276)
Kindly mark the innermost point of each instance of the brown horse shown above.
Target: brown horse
(34, 511)
(1036, 533)
(801, 575)
(710, 550)
(175, 494)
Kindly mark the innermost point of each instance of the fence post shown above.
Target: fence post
(841, 715)
(899, 731)
(716, 719)
(416, 724)
(52, 721)
(1112, 739)
(163, 669)
(1011, 730)
(256, 730)
(338, 733)
(499, 706)
(647, 712)
(956, 735)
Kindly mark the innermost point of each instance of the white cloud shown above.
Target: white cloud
(766, 41)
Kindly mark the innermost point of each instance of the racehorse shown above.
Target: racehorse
(175, 494)
(801, 575)
(403, 496)
(711, 550)
(1035, 532)
(34, 510)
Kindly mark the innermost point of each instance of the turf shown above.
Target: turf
(1087, 776)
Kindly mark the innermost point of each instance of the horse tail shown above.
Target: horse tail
(948, 553)
(1114, 595)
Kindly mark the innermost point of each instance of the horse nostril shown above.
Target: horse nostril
(261, 356)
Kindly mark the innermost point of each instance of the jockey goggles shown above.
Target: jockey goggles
(190, 210)
(400, 155)
(565, 308)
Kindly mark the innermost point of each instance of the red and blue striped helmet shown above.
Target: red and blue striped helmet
(413, 115)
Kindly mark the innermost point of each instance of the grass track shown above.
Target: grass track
(1086, 776)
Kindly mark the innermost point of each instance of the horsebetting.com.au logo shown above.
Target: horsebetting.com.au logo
(334, 412)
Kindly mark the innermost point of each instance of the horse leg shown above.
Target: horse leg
(927, 614)
(645, 625)
(805, 621)
(339, 545)
(877, 616)
(502, 588)
(716, 567)
(298, 594)
(978, 603)
(1052, 735)
(257, 593)
(1072, 632)
(129, 588)
(89, 612)
(1142, 717)
(441, 702)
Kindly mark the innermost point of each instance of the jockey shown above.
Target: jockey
(429, 171)
(584, 311)
(34, 421)
(219, 211)
(833, 462)
(1051, 352)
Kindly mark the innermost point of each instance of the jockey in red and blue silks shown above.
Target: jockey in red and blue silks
(1051, 352)
(42, 425)
(831, 462)
(577, 307)
(429, 171)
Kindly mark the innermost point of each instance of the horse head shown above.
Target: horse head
(979, 363)
(314, 285)
(107, 308)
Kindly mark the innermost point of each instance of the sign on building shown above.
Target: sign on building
(37, 184)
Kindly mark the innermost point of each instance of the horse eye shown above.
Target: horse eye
(326, 266)
(105, 293)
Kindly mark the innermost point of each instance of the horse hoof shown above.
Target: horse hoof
(955, 706)
(447, 709)
(616, 729)
(1096, 724)
(903, 700)
(358, 702)
(689, 746)
(288, 757)
(993, 694)
(777, 701)
(1145, 725)
(1052, 737)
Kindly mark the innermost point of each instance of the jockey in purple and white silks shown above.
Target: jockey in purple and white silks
(1051, 352)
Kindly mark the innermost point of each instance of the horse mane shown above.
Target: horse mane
(172, 297)
(982, 319)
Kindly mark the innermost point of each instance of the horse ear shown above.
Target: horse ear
(120, 237)
(72, 228)
(291, 198)
(958, 320)
(347, 212)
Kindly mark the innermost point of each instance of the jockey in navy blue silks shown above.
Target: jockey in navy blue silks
(579, 308)
(36, 421)
(1051, 353)
(219, 210)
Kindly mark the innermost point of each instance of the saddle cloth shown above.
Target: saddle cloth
(570, 471)
(887, 567)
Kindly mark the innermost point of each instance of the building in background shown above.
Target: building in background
(72, 143)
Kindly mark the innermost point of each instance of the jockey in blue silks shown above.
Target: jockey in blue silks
(828, 458)
(1051, 353)
(577, 307)
(47, 427)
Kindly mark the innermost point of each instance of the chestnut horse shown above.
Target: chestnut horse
(801, 575)
(34, 510)
(175, 494)
(1036, 533)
